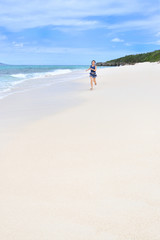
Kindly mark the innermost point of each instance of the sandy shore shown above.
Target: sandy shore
(90, 171)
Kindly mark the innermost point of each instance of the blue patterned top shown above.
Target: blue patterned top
(93, 73)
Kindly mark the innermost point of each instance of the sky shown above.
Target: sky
(75, 32)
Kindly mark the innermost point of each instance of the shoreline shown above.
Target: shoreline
(39, 97)
(20, 109)
(12, 83)
(90, 171)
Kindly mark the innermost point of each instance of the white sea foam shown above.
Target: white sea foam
(41, 74)
(19, 75)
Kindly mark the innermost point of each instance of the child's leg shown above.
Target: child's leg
(94, 79)
(91, 82)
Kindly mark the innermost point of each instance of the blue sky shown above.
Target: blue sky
(75, 32)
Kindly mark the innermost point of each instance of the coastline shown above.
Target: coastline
(23, 107)
(20, 78)
(90, 171)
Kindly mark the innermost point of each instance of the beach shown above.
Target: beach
(84, 164)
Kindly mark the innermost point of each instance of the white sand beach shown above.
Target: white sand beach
(88, 171)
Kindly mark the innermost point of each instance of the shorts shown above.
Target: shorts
(93, 75)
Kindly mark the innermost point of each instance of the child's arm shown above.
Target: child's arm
(88, 69)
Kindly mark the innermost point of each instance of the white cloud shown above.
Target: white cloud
(152, 23)
(128, 44)
(3, 37)
(21, 14)
(118, 40)
(15, 44)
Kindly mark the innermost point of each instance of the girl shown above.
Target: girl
(93, 74)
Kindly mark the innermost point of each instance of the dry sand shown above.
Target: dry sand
(91, 171)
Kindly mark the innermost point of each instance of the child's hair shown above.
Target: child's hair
(93, 61)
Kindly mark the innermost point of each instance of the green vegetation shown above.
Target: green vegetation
(132, 59)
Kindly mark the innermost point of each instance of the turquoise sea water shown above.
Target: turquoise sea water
(16, 78)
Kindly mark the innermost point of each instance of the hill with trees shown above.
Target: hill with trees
(132, 59)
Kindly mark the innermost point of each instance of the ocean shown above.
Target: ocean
(18, 78)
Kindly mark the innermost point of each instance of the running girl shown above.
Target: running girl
(93, 74)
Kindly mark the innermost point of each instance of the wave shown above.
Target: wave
(19, 75)
(17, 82)
(41, 75)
